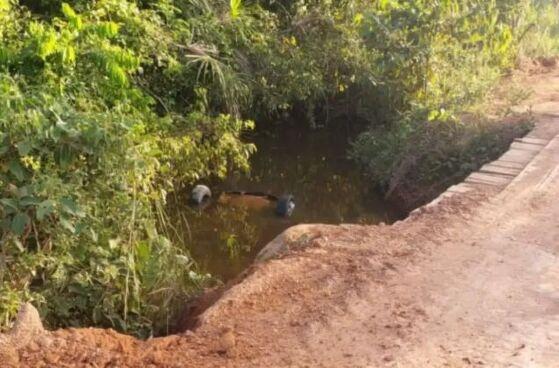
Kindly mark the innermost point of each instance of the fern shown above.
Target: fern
(47, 45)
(107, 29)
(117, 75)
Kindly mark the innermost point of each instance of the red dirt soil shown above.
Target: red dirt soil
(472, 281)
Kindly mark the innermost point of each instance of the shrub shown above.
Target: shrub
(86, 162)
(441, 59)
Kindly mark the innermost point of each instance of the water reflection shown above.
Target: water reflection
(328, 188)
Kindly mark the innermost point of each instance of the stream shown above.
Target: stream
(224, 238)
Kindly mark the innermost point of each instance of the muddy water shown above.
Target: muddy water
(328, 188)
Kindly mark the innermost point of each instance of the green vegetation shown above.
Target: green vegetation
(87, 158)
(541, 38)
(107, 106)
(452, 55)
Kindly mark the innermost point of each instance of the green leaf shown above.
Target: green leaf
(28, 201)
(70, 207)
(117, 74)
(9, 203)
(77, 22)
(65, 156)
(80, 227)
(433, 115)
(108, 29)
(235, 8)
(4, 147)
(24, 191)
(44, 209)
(19, 223)
(68, 11)
(358, 19)
(67, 225)
(69, 55)
(24, 148)
(17, 170)
(47, 45)
(143, 251)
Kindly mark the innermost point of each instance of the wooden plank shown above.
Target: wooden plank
(478, 182)
(498, 180)
(518, 156)
(528, 140)
(507, 164)
(494, 169)
(525, 147)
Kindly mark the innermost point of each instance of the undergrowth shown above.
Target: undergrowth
(541, 38)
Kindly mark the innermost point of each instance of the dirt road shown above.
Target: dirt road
(470, 282)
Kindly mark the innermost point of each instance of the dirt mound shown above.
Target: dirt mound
(280, 299)
(27, 327)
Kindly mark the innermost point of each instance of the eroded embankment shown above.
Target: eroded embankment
(468, 281)
(270, 315)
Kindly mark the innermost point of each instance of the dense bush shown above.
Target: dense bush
(87, 161)
(443, 57)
